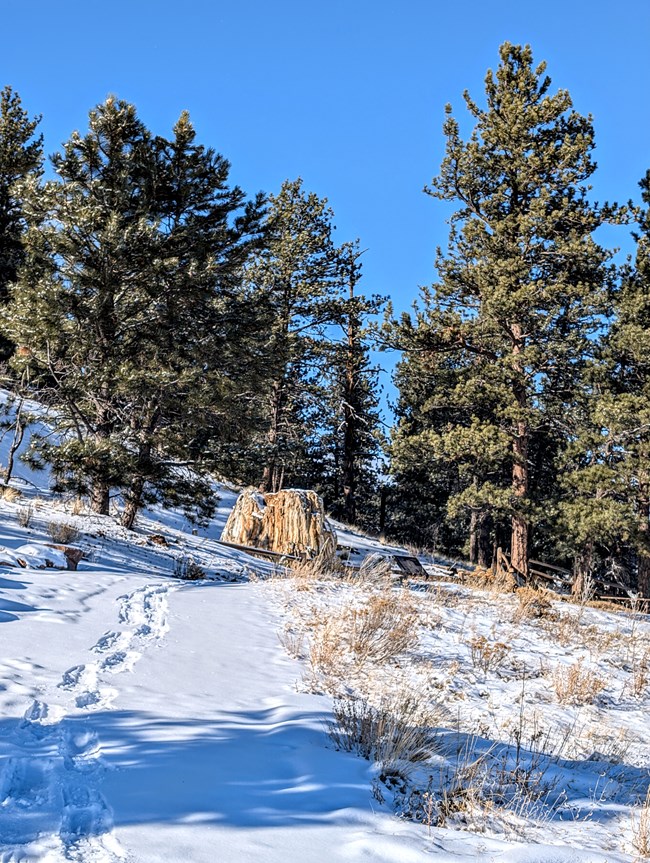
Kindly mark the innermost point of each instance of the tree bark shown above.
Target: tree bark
(19, 434)
(480, 548)
(643, 579)
(100, 497)
(520, 472)
(133, 502)
(271, 476)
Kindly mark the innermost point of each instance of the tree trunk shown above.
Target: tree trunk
(473, 537)
(132, 503)
(19, 434)
(484, 543)
(480, 548)
(272, 473)
(520, 471)
(643, 581)
(133, 497)
(519, 537)
(383, 500)
(100, 497)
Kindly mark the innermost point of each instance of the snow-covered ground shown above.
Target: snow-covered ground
(150, 719)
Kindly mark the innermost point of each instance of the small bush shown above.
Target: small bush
(186, 569)
(77, 506)
(397, 733)
(25, 515)
(640, 674)
(381, 629)
(293, 642)
(641, 829)
(531, 604)
(62, 533)
(577, 685)
(375, 568)
(10, 494)
(487, 655)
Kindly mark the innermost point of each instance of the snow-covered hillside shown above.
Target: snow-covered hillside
(148, 719)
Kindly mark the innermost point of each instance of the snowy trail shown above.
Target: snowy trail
(229, 762)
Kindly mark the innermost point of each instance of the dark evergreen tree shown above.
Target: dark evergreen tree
(522, 282)
(351, 438)
(295, 280)
(21, 156)
(127, 304)
(606, 510)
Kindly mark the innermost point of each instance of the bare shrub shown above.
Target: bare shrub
(487, 655)
(325, 656)
(375, 569)
(397, 733)
(562, 629)
(383, 628)
(640, 674)
(577, 685)
(10, 494)
(306, 571)
(62, 532)
(293, 641)
(77, 506)
(531, 604)
(25, 515)
(641, 829)
(187, 569)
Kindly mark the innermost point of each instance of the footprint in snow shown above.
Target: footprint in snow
(72, 677)
(107, 641)
(79, 746)
(24, 784)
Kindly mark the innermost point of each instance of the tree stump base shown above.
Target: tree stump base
(291, 521)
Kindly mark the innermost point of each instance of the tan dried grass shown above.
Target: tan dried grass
(531, 604)
(575, 684)
(641, 829)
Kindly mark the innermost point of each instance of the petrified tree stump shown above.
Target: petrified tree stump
(291, 521)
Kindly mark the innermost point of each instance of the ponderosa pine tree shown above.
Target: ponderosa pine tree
(21, 156)
(447, 457)
(351, 437)
(521, 284)
(126, 303)
(295, 280)
(606, 509)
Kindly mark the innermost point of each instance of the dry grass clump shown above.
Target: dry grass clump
(575, 684)
(307, 571)
(25, 515)
(375, 569)
(640, 676)
(377, 631)
(10, 494)
(293, 641)
(562, 629)
(187, 569)
(641, 829)
(485, 654)
(382, 628)
(397, 732)
(531, 604)
(78, 507)
(62, 532)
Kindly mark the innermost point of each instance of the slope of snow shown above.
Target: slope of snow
(148, 719)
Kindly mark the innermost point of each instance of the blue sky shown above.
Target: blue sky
(348, 95)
